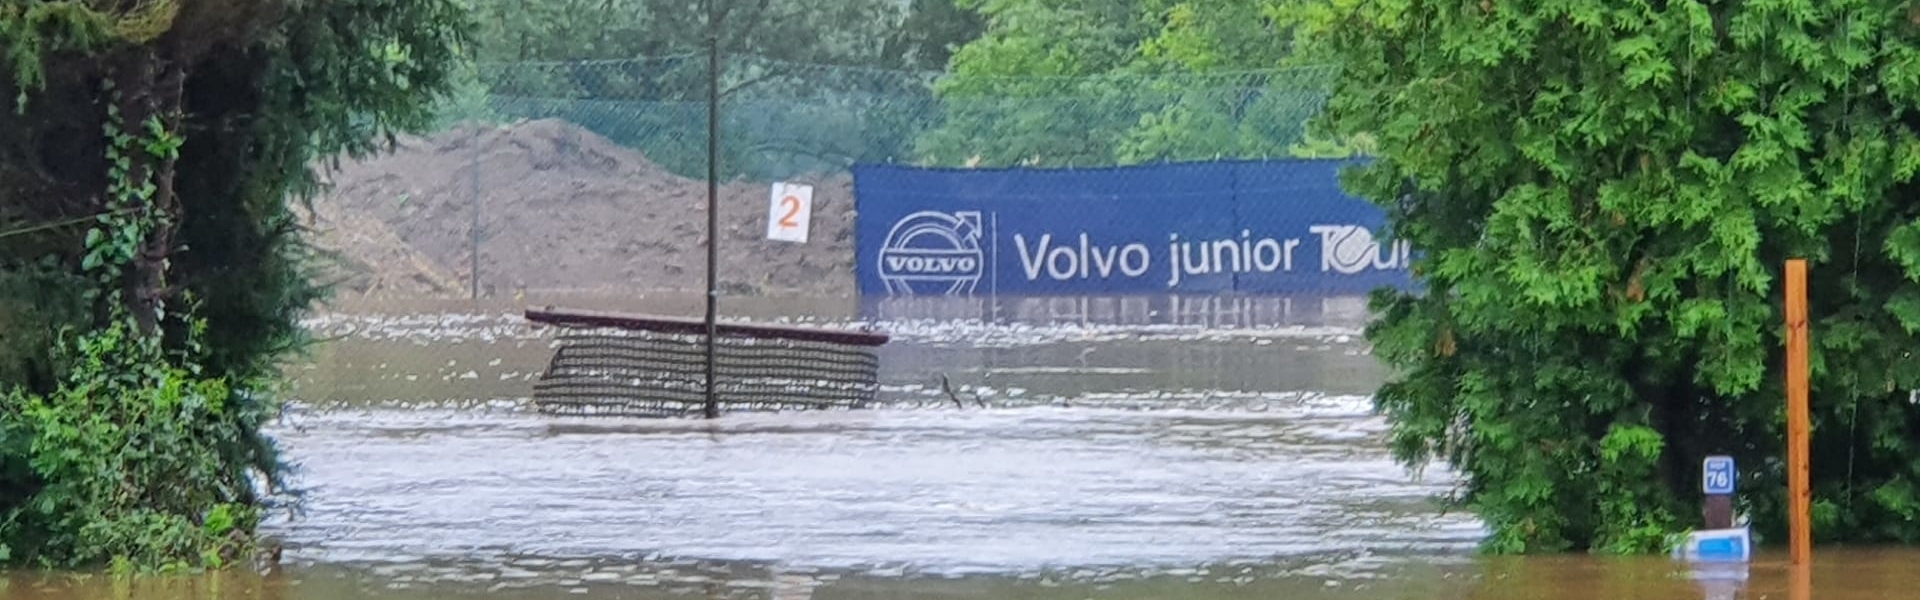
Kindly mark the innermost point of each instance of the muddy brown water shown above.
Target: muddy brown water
(1134, 449)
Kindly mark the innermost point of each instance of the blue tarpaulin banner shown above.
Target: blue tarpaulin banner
(1257, 227)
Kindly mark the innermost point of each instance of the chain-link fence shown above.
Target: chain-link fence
(588, 177)
(781, 119)
(583, 185)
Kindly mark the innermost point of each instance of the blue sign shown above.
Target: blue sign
(1717, 476)
(1718, 546)
(1280, 226)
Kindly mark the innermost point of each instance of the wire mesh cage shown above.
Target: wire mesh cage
(612, 365)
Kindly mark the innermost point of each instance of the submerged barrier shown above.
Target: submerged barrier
(628, 365)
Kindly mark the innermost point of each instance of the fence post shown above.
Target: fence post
(473, 190)
(713, 192)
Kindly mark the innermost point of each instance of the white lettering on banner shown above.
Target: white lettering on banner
(1219, 254)
(1031, 265)
(1344, 249)
(1186, 261)
(934, 265)
(1268, 255)
(1055, 266)
(1350, 249)
(1189, 259)
(1133, 269)
(1102, 261)
(1084, 261)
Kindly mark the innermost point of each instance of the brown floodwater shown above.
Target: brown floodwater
(1837, 574)
(1137, 448)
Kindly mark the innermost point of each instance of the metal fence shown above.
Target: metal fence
(583, 184)
(623, 365)
(782, 119)
(589, 177)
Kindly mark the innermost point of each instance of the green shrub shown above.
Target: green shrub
(127, 455)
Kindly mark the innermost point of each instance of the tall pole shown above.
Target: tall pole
(1799, 494)
(713, 193)
(473, 260)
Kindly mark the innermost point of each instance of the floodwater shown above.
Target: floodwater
(1141, 448)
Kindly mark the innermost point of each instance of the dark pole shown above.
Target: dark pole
(713, 193)
(473, 264)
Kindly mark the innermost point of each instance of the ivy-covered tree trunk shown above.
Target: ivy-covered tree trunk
(147, 92)
(1603, 193)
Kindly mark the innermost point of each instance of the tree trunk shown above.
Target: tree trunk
(150, 88)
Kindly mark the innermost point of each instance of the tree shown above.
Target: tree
(848, 32)
(147, 164)
(931, 33)
(1029, 89)
(806, 86)
(1603, 194)
(1096, 82)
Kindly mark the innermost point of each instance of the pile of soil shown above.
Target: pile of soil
(562, 208)
(372, 261)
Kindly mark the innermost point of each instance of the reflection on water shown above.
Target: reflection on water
(1136, 448)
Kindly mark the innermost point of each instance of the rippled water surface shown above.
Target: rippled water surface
(1012, 491)
(1227, 451)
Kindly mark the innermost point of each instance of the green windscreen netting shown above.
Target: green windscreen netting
(780, 119)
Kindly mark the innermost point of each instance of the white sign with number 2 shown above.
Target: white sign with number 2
(790, 212)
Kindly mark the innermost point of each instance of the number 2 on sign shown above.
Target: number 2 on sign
(789, 209)
(792, 205)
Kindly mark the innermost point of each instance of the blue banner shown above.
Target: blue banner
(1261, 227)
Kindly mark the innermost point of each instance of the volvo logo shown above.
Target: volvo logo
(931, 252)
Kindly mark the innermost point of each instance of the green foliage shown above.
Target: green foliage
(32, 32)
(1633, 516)
(341, 84)
(126, 454)
(847, 32)
(364, 70)
(933, 30)
(38, 299)
(130, 419)
(114, 244)
(1053, 83)
(1022, 92)
(806, 86)
(124, 458)
(467, 100)
(1126, 82)
(1603, 195)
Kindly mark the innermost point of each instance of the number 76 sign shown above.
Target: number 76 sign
(789, 213)
(1717, 476)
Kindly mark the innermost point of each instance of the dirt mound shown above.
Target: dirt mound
(564, 209)
(371, 260)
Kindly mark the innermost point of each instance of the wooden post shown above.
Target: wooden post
(1800, 582)
(1799, 492)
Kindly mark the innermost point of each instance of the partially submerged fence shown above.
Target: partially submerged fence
(611, 364)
